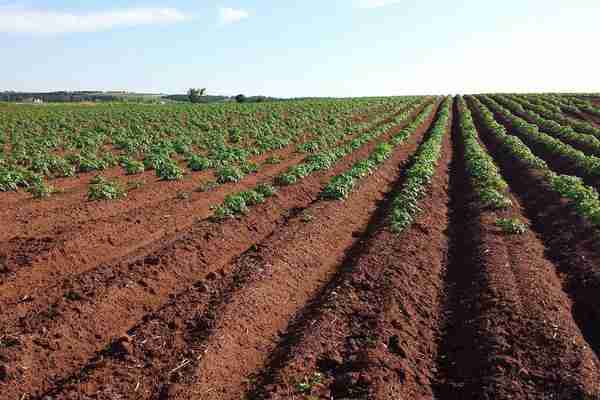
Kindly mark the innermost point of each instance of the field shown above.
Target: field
(373, 248)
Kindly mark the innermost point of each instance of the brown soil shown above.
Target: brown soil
(304, 298)
(509, 329)
(116, 296)
(78, 247)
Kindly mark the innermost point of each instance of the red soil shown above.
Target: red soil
(117, 295)
(304, 298)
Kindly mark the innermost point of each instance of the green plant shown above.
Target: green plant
(207, 187)
(198, 163)
(132, 167)
(169, 171)
(306, 385)
(229, 174)
(511, 226)
(39, 189)
(102, 189)
(273, 160)
(405, 205)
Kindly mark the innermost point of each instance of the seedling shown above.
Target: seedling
(511, 226)
(309, 382)
(102, 189)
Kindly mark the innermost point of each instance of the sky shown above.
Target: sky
(301, 48)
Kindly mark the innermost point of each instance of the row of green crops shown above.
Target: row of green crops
(584, 198)
(340, 186)
(329, 139)
(489, 185)
(405, 204)
(240, 202)
(530, 133)
(549, 110)
(326, 159)
(583, 105)
(562, 132)
(60, 141)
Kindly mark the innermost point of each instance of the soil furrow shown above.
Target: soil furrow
(508, 332)
(569, 240)
(371, 335)
(116, 296)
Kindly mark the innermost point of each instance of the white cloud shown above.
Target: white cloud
(375, 3)
(37, 21)
(230, 15)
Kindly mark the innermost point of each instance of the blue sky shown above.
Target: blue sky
(304, 48)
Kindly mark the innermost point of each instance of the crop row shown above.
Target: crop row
(340, 186)
(489, 185)
(60, 141)
(325, 159)
(562, 132)
(531, 133)
(546, 108)
(238, 203)
(405, 204)
(585, 198)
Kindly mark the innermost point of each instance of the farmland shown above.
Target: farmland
(371, 248)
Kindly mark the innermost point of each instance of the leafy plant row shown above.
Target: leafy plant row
(561, 132)
(405, 205)
(530, 132)
(239, 203)
(60, 141)
(340, 186)
(326, 159)
(327, 140)
(487, 181)
(543, 106)
(584, 105)
(585, 198)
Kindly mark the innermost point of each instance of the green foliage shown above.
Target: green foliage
(198, 163)
(229, 174)
(132, 167)
(327, 158)
(169, 171)
(239, 203)
(272, 160)
(531, 134)
(405, 205)
(11, 179)
(102, 189)
(484, 175)
(40, 189)
(511, 226)
(585, 198)
(306, 385)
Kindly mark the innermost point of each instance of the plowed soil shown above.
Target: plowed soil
(302, 297)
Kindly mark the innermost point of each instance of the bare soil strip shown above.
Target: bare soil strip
(57, 334)
(509, 331)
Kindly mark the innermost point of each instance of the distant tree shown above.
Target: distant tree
(195, 94)
(240, 98)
